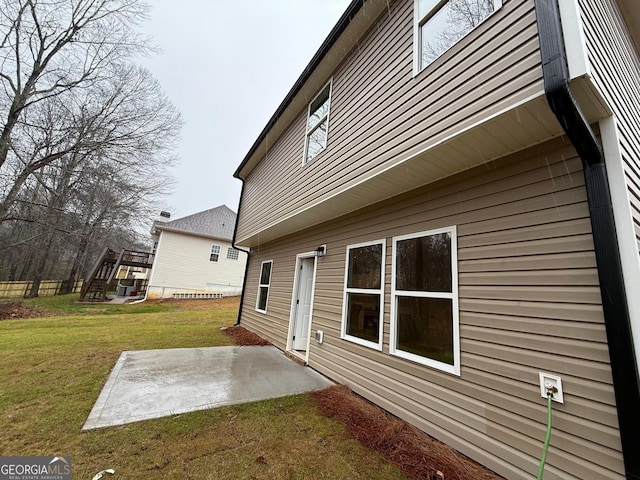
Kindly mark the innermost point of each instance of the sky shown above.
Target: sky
(227, 65)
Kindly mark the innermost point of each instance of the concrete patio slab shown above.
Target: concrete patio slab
(156, 383)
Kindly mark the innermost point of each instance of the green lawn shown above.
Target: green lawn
(53, 369)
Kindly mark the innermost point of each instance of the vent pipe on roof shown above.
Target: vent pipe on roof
(624, 366)
(163, 217)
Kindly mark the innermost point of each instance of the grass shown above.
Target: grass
(53, 369)
(69, 305)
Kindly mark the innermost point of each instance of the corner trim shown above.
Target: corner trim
(574, 39)
(624, 223)
(624, 367)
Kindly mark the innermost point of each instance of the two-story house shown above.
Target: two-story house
(194, 257)
(444, 214)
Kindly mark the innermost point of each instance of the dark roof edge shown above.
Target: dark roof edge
(193, 234)
(335, 33)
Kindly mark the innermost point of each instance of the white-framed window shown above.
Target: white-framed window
(263, 286)
(317, 124)
(214, 256)
(363, 303)
(232, 253)
(424, 299)
(440, 24)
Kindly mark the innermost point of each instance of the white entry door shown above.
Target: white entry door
(303, 304)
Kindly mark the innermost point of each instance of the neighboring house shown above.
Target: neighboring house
(194, 256)
(420, 224)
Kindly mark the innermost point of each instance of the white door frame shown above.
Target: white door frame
(294, 296)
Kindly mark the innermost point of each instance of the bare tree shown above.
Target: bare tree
(63, 59)
(85, 136)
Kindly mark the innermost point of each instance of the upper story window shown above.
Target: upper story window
(317, 124)
(440, 24)
(424, 299)
(215, 253)
(232, 253)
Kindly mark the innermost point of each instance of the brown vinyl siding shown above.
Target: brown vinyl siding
(615, 69)
(529, 302)
(380, 113)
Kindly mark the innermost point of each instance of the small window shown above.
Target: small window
(424, 299)
(364, 294)
(263, 286)
(232, 253)
(317, 124)
(215, 253)
(441, 24)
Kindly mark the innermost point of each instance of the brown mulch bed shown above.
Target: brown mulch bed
(16, 310)
(244, 337)
(415, 453)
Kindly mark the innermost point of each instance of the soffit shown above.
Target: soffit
(511, 131)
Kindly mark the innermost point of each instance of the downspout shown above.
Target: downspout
(246, 266)
(624, 366)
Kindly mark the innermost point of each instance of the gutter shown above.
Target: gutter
(624, 366)
(246, 265)
(194, 234)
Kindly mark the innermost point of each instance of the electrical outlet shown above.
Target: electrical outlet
(553, 382)
(319, 336)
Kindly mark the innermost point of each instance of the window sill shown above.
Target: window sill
(362, 342)
(427, 362)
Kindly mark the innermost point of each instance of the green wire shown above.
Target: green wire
(547, 439)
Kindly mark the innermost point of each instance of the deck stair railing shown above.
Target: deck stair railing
(95, 287)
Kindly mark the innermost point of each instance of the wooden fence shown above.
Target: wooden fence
(47, 288)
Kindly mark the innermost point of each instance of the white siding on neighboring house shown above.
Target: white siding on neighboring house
(182, 265)
(194, 256)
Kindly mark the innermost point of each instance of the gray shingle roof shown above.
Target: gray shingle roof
(216, 222)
